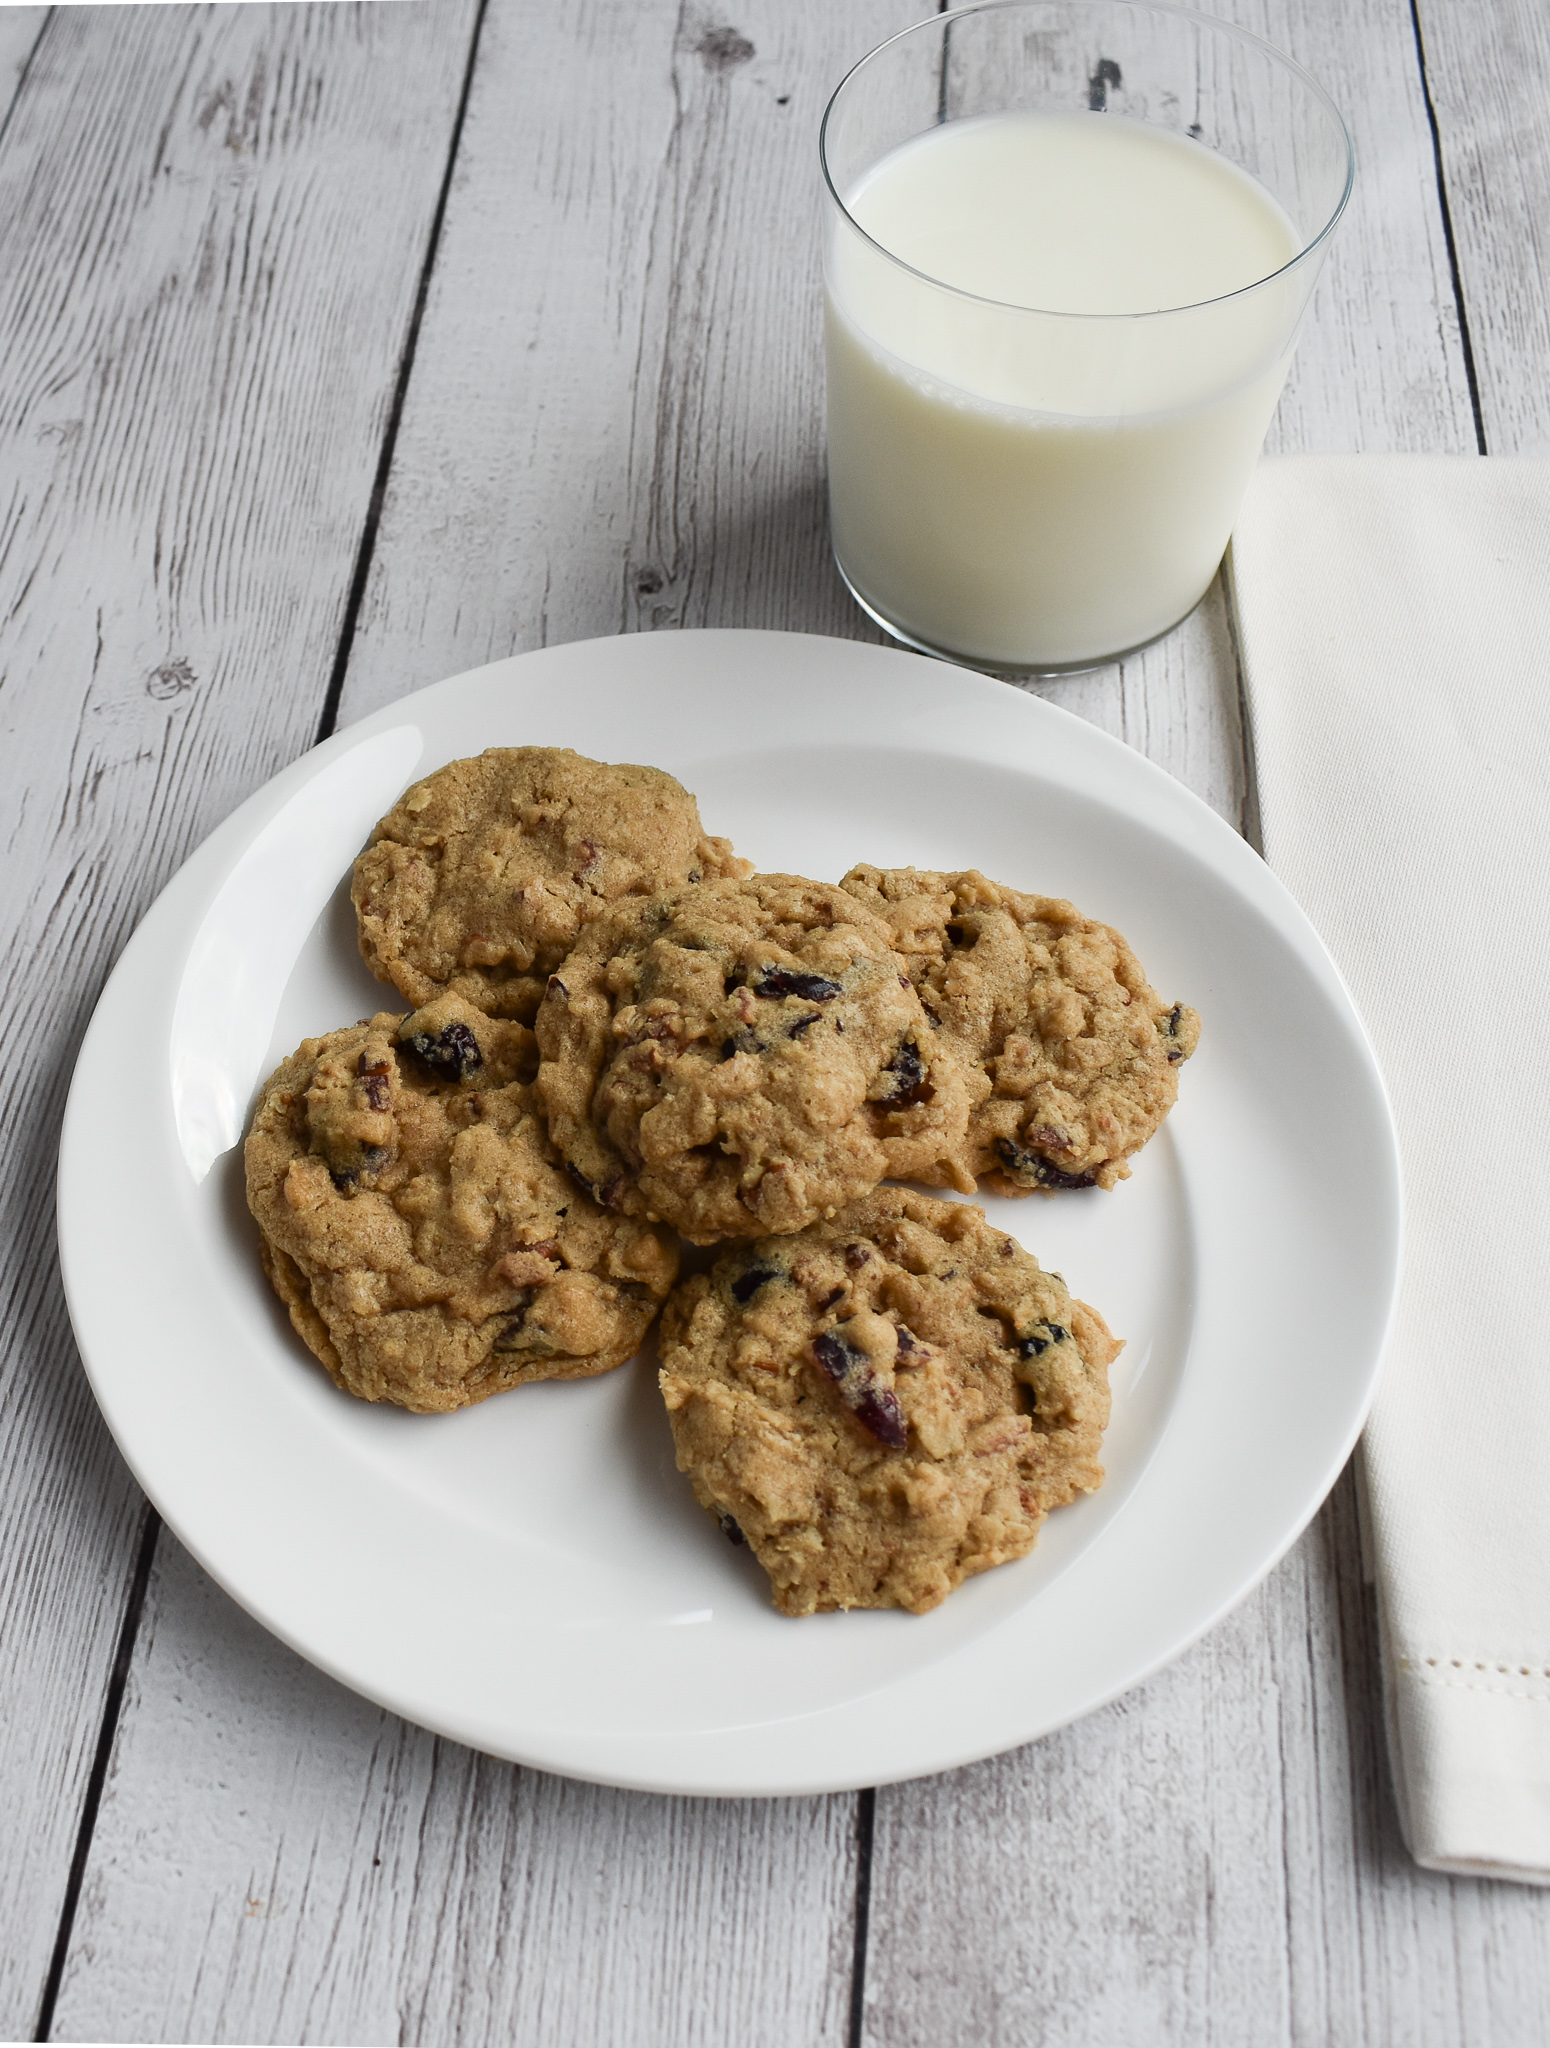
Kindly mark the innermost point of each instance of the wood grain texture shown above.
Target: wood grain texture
(280, 1861)
(1488, 68)
(198, 338)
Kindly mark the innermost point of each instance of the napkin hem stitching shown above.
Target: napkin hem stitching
(1490, 1692)
(1513, 1669)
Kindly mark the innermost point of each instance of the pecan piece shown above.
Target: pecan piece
(376, 1080)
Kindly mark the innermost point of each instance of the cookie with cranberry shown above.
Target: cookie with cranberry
(481, 876)
(744, 1057)
(886, 1403)
(1080, 1052)
(414, 1220)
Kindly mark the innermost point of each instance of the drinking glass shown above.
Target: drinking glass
(1024, 487)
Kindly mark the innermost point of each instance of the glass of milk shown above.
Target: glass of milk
(1068, 247)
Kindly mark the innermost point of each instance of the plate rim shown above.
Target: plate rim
(187, 895)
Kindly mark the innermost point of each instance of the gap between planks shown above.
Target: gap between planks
(1449, 238)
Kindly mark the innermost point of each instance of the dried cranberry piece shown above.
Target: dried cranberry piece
(730, 1529)
(875, 1407)
(515, 1334)
(347, 1179)
(803, 1024)
(909, 1077)
(1040, 1338)
(452, 1054)
(789, 981)
(829, 1300)
(835, 1355)
(1028, 1166)
(856, 1256)
(750, 1280)
(878, 1411)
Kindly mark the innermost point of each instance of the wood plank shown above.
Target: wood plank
(601, 388)
(1488, 68)
(175, 408)
(281, 1861)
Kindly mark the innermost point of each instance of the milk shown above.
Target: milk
(1011, 478)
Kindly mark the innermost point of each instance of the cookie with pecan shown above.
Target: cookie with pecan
(483, 874)
(417, 1226)
(1080, 1052)
(885, 1403)
(742, 1057)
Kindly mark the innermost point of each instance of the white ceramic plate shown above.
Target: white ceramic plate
(532, 1576)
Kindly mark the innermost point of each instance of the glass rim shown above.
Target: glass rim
(944, 20)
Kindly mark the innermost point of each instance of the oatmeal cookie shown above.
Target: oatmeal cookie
(743, 1057)
(885, 1403)
(480, 877)
(1081, 1053)
(413, 1221)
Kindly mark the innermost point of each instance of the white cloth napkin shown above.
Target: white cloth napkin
(1394, 615)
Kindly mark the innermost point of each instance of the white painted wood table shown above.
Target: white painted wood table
(343, 348)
